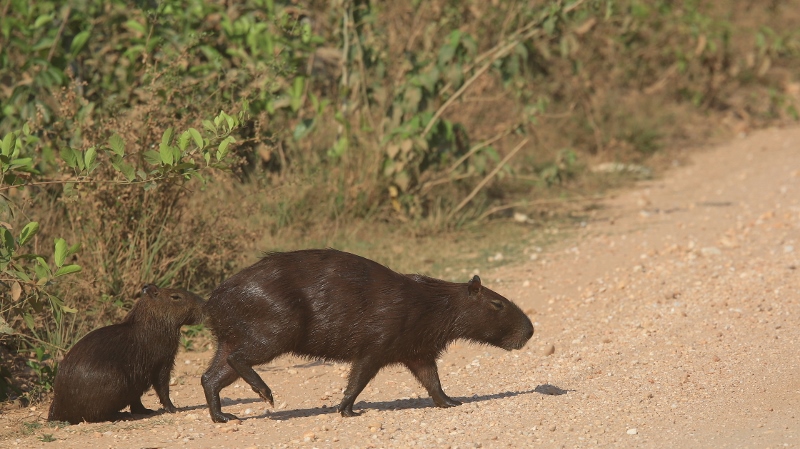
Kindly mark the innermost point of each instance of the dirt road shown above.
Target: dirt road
(672, 316)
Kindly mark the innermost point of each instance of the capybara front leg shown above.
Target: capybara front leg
(426, 373)
(161, 385)
(252, 378)
(361, 373)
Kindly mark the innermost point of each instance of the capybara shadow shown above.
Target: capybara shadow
(112, 367)
(395, 405)
(336, 306)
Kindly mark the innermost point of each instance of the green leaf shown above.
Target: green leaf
(7, 240)
(74, 249)
(165, 153)
(198, 139)
(207, 124)
(296, 93)
(123, 167)
(69, 309)
(70, 157)
(26, 163)
(67, 269)
(183, 142)
(8, 144)
(223, 147)
(117, 145)
(89, 157)
(136, 26)
(43, 19)
(152, 157)
(42, 270)
(127, 170)
(79, 41)
(303, 128)
(28, 232)
(176, 154)
(61, 251)
(29, 321)
(166, 138)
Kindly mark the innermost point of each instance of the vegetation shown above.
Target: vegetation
(420, 116)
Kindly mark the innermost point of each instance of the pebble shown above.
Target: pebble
(632, 431)
(549, 350)
(710, 251)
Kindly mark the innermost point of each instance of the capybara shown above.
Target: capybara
(332, 305)
(111, 367)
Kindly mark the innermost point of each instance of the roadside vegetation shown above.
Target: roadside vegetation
(171, 141)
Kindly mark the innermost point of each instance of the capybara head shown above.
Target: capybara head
(494, 319)
(172, 306)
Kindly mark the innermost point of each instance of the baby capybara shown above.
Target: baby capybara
(111, 367)
(333, 305)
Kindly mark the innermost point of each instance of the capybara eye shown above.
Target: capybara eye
(497, 304)
(175, 297)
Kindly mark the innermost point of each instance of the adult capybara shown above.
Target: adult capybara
(333, 305)
(111, 367)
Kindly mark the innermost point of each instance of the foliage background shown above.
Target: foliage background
(367, 122)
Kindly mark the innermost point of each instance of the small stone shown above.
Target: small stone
(710, 251)
(549, 350)
(522, 218)
(309, 436)
(231, 427)
(291, 371)
(552, 427)
(632, 431)
(788, 249)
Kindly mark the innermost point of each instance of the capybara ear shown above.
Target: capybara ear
(474, 285)
(150, 290)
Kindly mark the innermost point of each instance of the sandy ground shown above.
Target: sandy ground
(671, 313)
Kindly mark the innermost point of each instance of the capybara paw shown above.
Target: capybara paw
(266, 396)
(448, 402)
(223, 417)
(170, 408)
(348, 412)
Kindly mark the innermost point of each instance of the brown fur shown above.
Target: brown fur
(112, 367)
(333, 305)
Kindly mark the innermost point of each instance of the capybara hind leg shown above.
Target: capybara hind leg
(426, 373)
(218, 376)
(137, 408)
(361, 373)
(251, 377)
